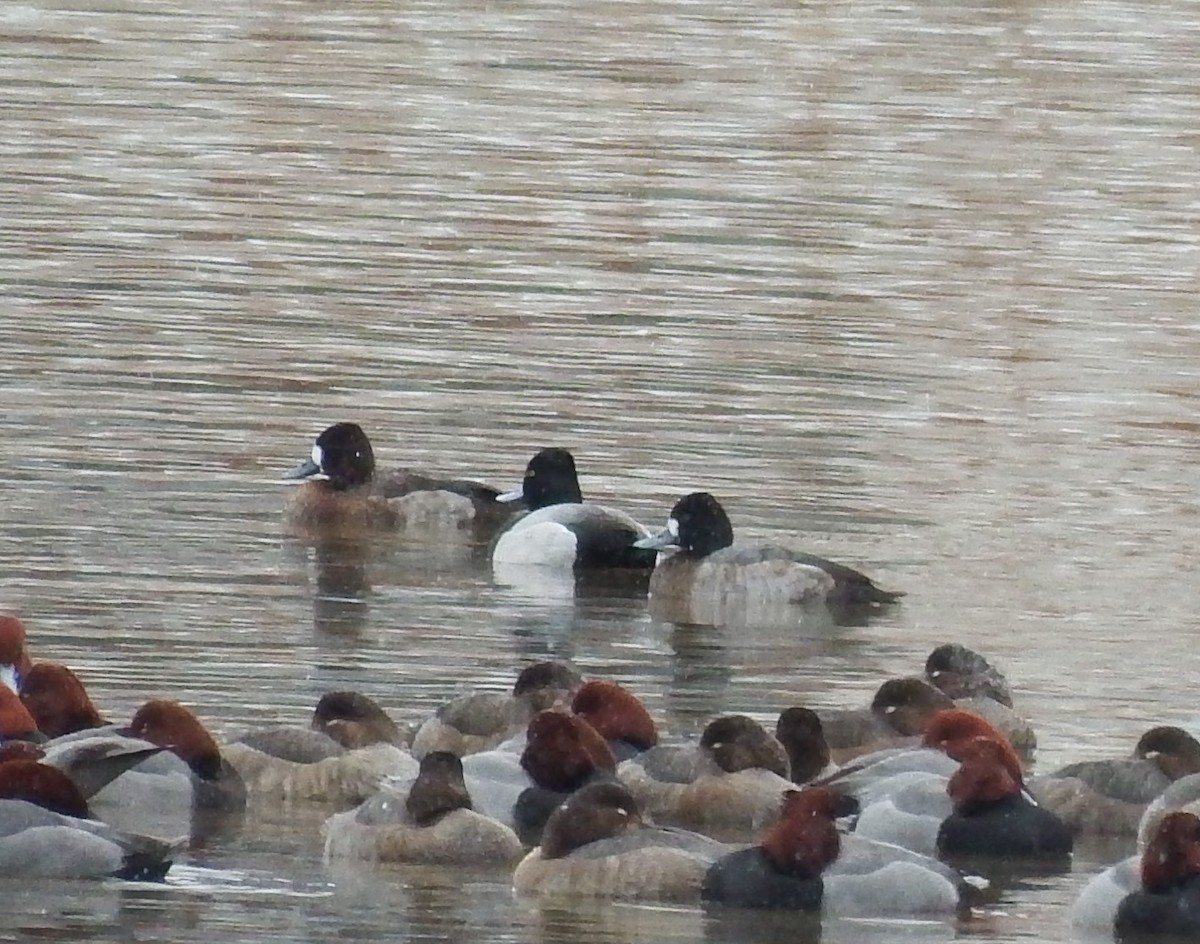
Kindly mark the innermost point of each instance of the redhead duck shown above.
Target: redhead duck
(340, 493)
(434, 823)
(710, 576)
(16, 723)
(188, 788)
(732, 781)
(1183, 794)
(562, 531)
(1108, 797)
(1151, 896)
(993, 815)
(14, 659)
(342, 757)
(479, 721)
(617, 715)
(804, 864)
(562, 753)
(597, 844)
(902, 793)
(46, 831)
(57, 700)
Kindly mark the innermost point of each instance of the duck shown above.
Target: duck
(617, 715)
(961, 672)
(341, 494)
(1151, 896)
(57, 700)
(977, 686)
(185, 787)
(802, 735)
(564, 533)
(561, 753)
(47, 831)
(902, 793)
(434, 822)
(898, 714)
(478, 721)
(1109, 797)
(349, 749)
(803, 863)
(731, 782)
(15, 661)
(1181, 795)
(709, 574)
(596, 844)
(994, 815)
(16, 723)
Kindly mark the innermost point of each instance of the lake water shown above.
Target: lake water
(912, 286)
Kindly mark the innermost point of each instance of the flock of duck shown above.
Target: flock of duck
(918, 805)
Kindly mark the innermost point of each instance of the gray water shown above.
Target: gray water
(907, 285)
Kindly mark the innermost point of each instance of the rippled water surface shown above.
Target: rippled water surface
(909, 285)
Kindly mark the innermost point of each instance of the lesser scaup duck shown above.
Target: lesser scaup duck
(564, 532)
(341, 493)
(597, 844)
(1153, 896)
(47, 831)
(435, 822)
(803, 863)
(1109, 797)
(711, 574)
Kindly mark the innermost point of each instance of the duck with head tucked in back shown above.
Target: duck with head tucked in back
(730, 782)
(597, 845)
(47, 831)
(342, 495)
(478, 721)
(348, 749)
(563, 532)
(1153, 896)
(561, 753)
(58, 701)
(1109, 797)
(709, 573)
(902, 792)
(803, 863)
